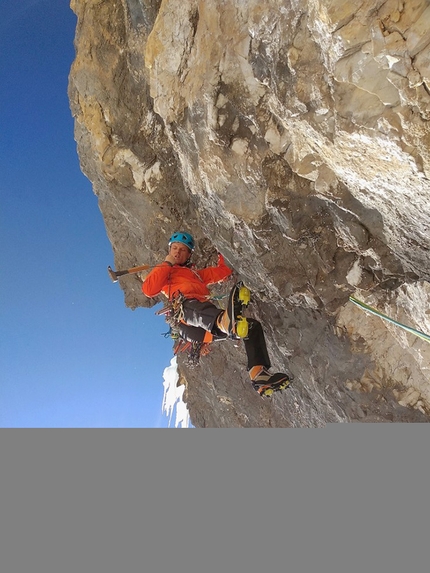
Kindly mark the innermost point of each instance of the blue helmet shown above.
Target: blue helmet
(184, 238)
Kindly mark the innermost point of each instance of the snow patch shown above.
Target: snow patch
(173, 396)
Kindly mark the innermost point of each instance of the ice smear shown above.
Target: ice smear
(173, 396)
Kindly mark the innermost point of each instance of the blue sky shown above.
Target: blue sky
(71, 353)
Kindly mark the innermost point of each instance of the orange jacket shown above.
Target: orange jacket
(192, 283)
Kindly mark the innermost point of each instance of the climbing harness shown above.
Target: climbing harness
(173, 314)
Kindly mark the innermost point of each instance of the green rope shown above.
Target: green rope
(385, 317)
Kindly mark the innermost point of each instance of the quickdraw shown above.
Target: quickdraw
(194, 350)
(173, 314)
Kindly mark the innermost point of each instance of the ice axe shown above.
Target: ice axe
(114, 275)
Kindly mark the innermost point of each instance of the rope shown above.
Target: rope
(372, 310)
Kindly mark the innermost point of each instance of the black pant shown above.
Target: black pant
(200, 317)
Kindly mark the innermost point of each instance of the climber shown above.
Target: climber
(201, 320)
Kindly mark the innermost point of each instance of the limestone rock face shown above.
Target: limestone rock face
(293, 137)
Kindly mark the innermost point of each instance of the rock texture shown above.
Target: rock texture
(294, 137)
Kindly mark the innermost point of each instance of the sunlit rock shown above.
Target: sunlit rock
(294, 138)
